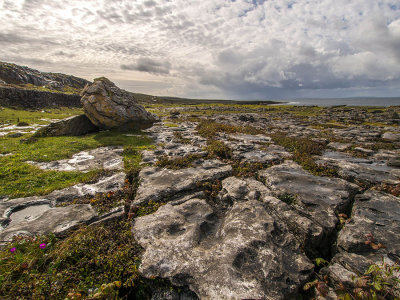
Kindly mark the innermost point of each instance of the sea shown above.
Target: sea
(383, 102)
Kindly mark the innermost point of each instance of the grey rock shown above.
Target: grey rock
(107, 106)
(317, 198)
(309, 234)
(39, 215)
(394, 137)
(245, 254)
(75, 126)
(340, 146)
(15, 135)
(160, 184)
(359, 170)
(107, 158)
(31, 221)
(375, 213)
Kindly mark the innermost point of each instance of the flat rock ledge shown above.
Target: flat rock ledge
(247, 253)
(160, 184)
(107, 158)
(40, 215)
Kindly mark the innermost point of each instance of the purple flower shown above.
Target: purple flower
(42, 246)
(12, 250)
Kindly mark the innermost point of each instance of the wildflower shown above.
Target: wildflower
(12, 250)
(42, 246)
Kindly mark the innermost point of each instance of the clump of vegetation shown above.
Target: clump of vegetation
(246, 169)
(145, 209)
(92, 262)
(177, 163)
(210, 129)
(287, 198)
(211, 189)
(393, 189)
(303, 150)
(218, 149)
(379, 281)
(20, 179)
(103, 202)
(179, 136)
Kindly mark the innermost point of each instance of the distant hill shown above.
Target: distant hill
(28, 78)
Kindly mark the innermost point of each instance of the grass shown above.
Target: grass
(14, 116)
(19, 179)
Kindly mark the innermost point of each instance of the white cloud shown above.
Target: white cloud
(211, 48)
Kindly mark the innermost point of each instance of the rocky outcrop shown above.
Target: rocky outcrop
(27, 98)
(107, 106)
(247, 253)
(160, 184)
(15, 74)
(77, 125)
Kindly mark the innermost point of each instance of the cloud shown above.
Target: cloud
(212, 48)
(148, 65)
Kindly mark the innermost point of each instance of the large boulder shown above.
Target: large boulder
(108, 106)
(76, 125)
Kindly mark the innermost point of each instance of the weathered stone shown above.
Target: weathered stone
(107, 158)
(160, 184)
(309, 234)
(75, 126)
(391, 136)
(317, 198)
(359, 170)
(44, 219)
(107, 106)
(245, 254)
(40, 215)
(340, 146)
(375, 213)
(15, 135)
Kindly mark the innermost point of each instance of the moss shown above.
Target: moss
(210, 129)
(218, 149)
(177, 163)
(303, 150)
(288, 198)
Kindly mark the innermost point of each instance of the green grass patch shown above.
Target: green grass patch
(218, 149)
(15, 116)
(19, 179)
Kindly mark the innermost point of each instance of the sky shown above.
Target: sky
(221, 49)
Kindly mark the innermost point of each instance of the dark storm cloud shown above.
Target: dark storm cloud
(149, 65)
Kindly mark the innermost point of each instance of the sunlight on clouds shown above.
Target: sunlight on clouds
(210, 48)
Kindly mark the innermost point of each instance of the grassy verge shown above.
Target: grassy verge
(14, 116)
(19, 179)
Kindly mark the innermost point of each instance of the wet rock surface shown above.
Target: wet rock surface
(42, 214)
